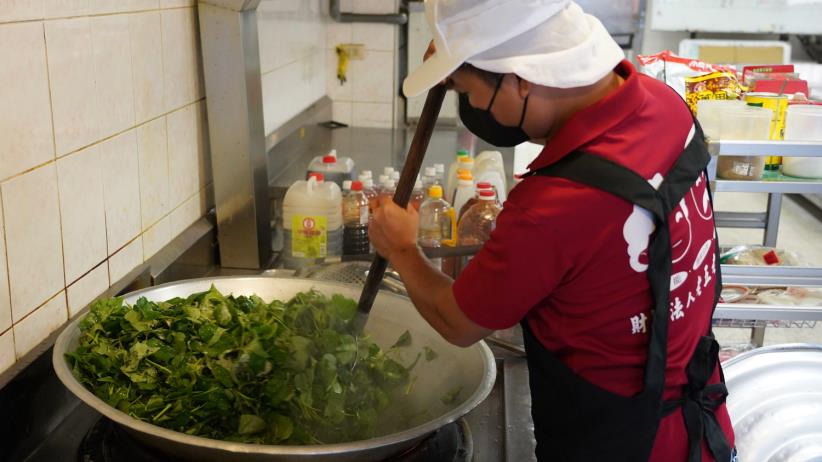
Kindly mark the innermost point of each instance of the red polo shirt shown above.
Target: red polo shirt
(572, 259)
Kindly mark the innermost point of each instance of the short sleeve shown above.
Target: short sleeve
(518, 267)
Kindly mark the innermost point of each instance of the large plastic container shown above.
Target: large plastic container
(803, 123)
(744, 123)
(437, 222)
(488, 168)
(312, 220)
(465, 190)
(334, 169)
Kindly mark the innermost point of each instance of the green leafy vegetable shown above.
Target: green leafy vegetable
(430, 354)
(241, 369)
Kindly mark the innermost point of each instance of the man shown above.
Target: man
(606, 253)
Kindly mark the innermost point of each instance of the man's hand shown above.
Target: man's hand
(393, 229)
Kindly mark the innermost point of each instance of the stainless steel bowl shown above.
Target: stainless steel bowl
(472, 368)
(775, 403)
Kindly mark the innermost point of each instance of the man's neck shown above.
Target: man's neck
(565, 102)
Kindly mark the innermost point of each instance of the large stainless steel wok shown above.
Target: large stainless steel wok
(472, 368)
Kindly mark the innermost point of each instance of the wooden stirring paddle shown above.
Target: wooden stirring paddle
(413, 162)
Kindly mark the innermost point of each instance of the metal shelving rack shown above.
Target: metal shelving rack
(758, 317)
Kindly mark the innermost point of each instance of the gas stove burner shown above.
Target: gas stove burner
(108, 442)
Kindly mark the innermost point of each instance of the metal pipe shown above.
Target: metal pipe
(339, 16)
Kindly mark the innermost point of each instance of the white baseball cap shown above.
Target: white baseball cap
(546, 42)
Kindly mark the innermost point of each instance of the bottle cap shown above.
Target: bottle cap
(368, 183)
(356, 186)
(395, 176)
(333, 153)
(435, 192)
(440, 168)
(366, 174)
(390, 184)
(484, 185)
(465, 175)
(317, 176)
(329, 159)
(487, 195)
(466, 160)
(347, 185)
(418, 184)
(383, 178)
(388, 170)
(463, 153)
(430, 171)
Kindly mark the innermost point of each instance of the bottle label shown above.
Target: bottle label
(309, 236)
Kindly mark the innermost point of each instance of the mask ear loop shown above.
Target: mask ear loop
(496, 91)
(524, 107)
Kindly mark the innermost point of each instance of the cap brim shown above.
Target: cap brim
(432, 71)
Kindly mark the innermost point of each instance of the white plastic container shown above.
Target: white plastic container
(334, 169)
(465, 191)
(744, 123)
(488, 167)
(803, 123)
(463, 162)
(313, 224)
(709, 114)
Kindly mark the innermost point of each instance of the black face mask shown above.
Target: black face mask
(483, 124)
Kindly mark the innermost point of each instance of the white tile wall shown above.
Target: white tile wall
(181, 57)
(367, 98)
(5, 303)
(32, 224)
(66, 8)
(113, 75)
(25, 132)
(86, 289)
(147, 63)
(292, 37)
(82, 211)
(152, 147)
(121, 189)
(29, 332)
(20, 10)
(73, 94)
(84, 156)
(156, 237)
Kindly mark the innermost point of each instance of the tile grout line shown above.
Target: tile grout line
(98, 142)
(92, 15)
(6, 256)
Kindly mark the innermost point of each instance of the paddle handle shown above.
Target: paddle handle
(413, 163)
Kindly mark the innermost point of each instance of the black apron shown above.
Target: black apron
(574, 420)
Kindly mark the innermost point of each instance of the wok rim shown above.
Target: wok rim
(68, 379)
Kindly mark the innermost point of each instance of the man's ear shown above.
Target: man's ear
(524, 88)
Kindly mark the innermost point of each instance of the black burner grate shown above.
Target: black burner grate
(108, 442)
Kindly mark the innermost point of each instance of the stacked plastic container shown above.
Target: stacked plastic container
(334, 169)
(312, 219)
(803, 123)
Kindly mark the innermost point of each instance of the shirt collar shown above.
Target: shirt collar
(591, 122)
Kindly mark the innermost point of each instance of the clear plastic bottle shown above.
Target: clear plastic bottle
(464, 163)
(437, 224)
(479, 221)
(370, 194)
(388, 189)
(482, 185)
(381, 180)
(450, 181)
(388, 171)
(355, 221)
(417, 195)
(440, 169)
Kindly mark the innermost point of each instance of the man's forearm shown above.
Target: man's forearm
(431, 292)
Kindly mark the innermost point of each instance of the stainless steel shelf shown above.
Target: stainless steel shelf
(765, 148)
(740, 311)
(780, 276)
(797, 186)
